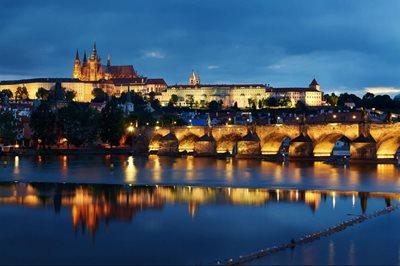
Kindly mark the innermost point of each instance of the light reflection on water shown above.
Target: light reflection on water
(200, 171)
(213, 223)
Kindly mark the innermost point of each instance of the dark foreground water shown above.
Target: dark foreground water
(124, 210)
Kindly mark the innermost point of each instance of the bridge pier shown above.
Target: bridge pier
(168, 145)
(249, 146)
(363, 148)
(205, 146)
(301, 147)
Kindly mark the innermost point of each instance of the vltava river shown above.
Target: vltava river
(156, 170)
(160, 210)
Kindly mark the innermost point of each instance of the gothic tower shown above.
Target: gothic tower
(194, 78)
(93, 64)
(77, 67)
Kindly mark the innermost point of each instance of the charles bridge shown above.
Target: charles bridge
(367, 141)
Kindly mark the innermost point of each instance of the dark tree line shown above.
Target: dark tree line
(369, 100)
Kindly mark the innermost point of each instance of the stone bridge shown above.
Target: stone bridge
(366, 140)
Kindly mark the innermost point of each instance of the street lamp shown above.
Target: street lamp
(131, 129)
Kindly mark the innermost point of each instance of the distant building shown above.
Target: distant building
(93, 70)
(91, 74)
(240, 95)
(311, 95)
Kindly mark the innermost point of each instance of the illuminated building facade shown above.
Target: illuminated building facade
(91, 74)
(311, 95)
(92, 69)
(240, 95)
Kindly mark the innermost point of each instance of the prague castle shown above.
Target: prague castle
(91, 74)
(114, 80)
(242, 95)
(93, 70)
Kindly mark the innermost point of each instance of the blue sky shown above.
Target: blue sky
(348, 46)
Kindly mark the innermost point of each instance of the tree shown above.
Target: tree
(21, 93)
(8, 128)
(79, 123)
(301, 107)
(42, 94)
(152, 96)
(112, 123)
(235, 106)
(57, 93)
(190, 100)
(345, 97)
(43, 124)
(174, 99)
(367, 100)
(260, 104)
(284, 101)
(332, 99)
(99, 95)
(70, 95)
(5, 95)
(272, 101)
(214, 106)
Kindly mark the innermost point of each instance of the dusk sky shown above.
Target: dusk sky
(347, 46)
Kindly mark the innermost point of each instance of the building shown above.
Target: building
(93, 70)
(311, 95)
(91, 74)
(240, 95)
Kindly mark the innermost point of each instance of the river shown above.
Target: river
(162, 210)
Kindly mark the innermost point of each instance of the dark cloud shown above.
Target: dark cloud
(346, 45)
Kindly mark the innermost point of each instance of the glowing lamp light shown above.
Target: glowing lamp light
(334, 116)
(354, 117)
(130, 129)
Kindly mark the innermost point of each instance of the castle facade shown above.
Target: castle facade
(92, 70)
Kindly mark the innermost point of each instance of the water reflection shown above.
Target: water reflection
(92, 204)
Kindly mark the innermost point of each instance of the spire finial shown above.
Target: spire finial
(108, 59)
(77, 55)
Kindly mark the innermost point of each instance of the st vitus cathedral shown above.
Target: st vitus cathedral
(93, 70)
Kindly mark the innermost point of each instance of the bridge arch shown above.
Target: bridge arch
(187, 142)
(227, 143)
(324, 145)
(272, 143)
(388, 146)
(154, 144)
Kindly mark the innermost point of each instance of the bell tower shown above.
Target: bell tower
(194, 78)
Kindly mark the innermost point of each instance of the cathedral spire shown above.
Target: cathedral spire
(77, 55)
(108, 60)
(84, 57)
(94, 51)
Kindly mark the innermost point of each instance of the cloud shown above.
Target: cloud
(382, 90)
(154, 54)
(213, 67)
(276, 66)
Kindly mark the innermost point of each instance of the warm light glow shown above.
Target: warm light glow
(130, 171)
(130, 129)
(333, 199)
(334, 116)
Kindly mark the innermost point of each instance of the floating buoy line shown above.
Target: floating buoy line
(307, 238)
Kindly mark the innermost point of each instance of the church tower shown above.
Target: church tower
(314, 85)
(77, 67)
(194, 78)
